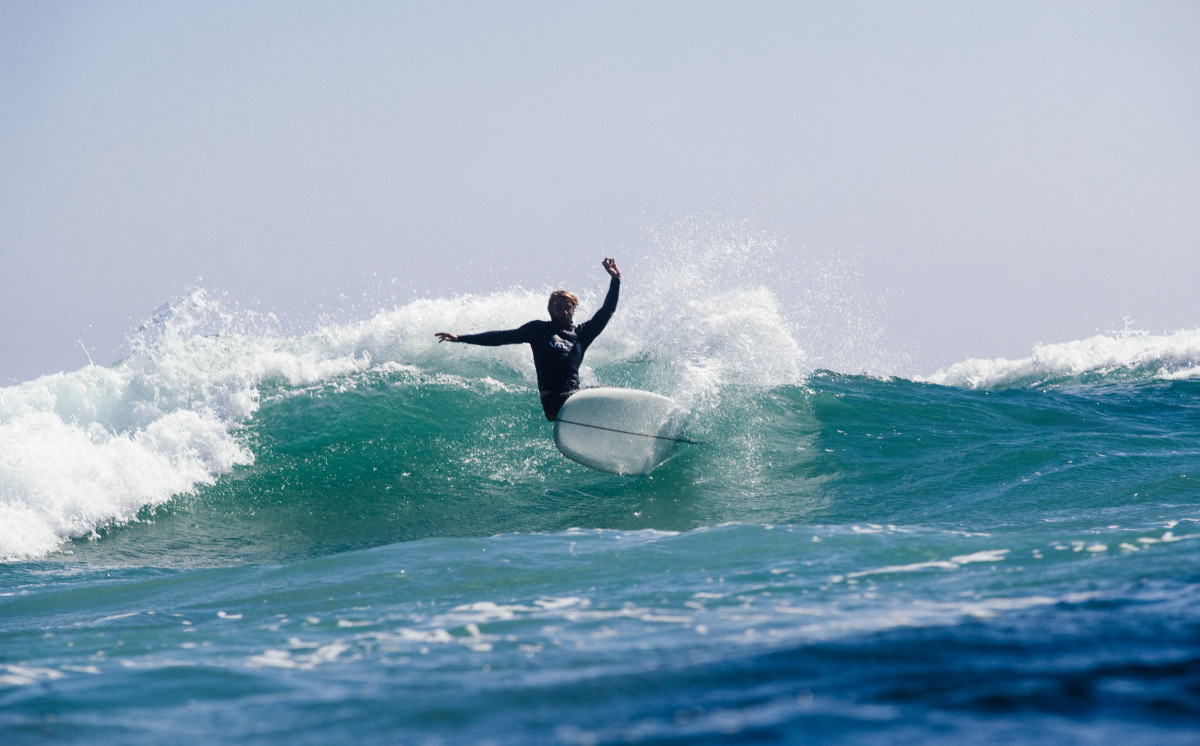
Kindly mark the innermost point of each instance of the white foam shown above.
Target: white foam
(1166, 356)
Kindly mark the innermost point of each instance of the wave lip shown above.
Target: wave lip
(90, 448)
(1117, 356)
(61, 480)
(85, 449)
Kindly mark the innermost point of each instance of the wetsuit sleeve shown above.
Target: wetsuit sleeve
(519, 335)
(590, 329)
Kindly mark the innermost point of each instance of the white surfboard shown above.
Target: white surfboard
(623, 431)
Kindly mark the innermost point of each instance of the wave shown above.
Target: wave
(97, 446)
(217, 417)
(1121, 356)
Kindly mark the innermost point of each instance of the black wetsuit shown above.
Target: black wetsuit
(557, 350)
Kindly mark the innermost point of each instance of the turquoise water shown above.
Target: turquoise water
(355, 535)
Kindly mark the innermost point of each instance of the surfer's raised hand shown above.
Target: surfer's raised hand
(446, 337)
(610, 266)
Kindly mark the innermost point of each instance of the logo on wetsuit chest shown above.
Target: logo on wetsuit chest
(559, 343)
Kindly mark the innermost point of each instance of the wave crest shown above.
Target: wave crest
(1127, 355)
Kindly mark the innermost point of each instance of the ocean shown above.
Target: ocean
(353, 534)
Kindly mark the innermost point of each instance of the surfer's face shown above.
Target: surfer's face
(562, 311)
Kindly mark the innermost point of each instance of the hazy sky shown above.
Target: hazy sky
(1004, 173)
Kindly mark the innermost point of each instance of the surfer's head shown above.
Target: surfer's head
(562, 307)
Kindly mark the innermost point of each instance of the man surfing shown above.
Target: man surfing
(558, 344)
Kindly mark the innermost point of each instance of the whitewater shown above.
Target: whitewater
(241, 533)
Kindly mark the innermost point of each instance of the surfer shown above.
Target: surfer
(558, 344)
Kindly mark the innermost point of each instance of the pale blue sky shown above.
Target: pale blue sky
(1005, 173)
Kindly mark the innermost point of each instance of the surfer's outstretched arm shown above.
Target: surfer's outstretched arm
(492, 339)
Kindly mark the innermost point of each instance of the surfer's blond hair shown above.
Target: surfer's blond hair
(563, 294)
